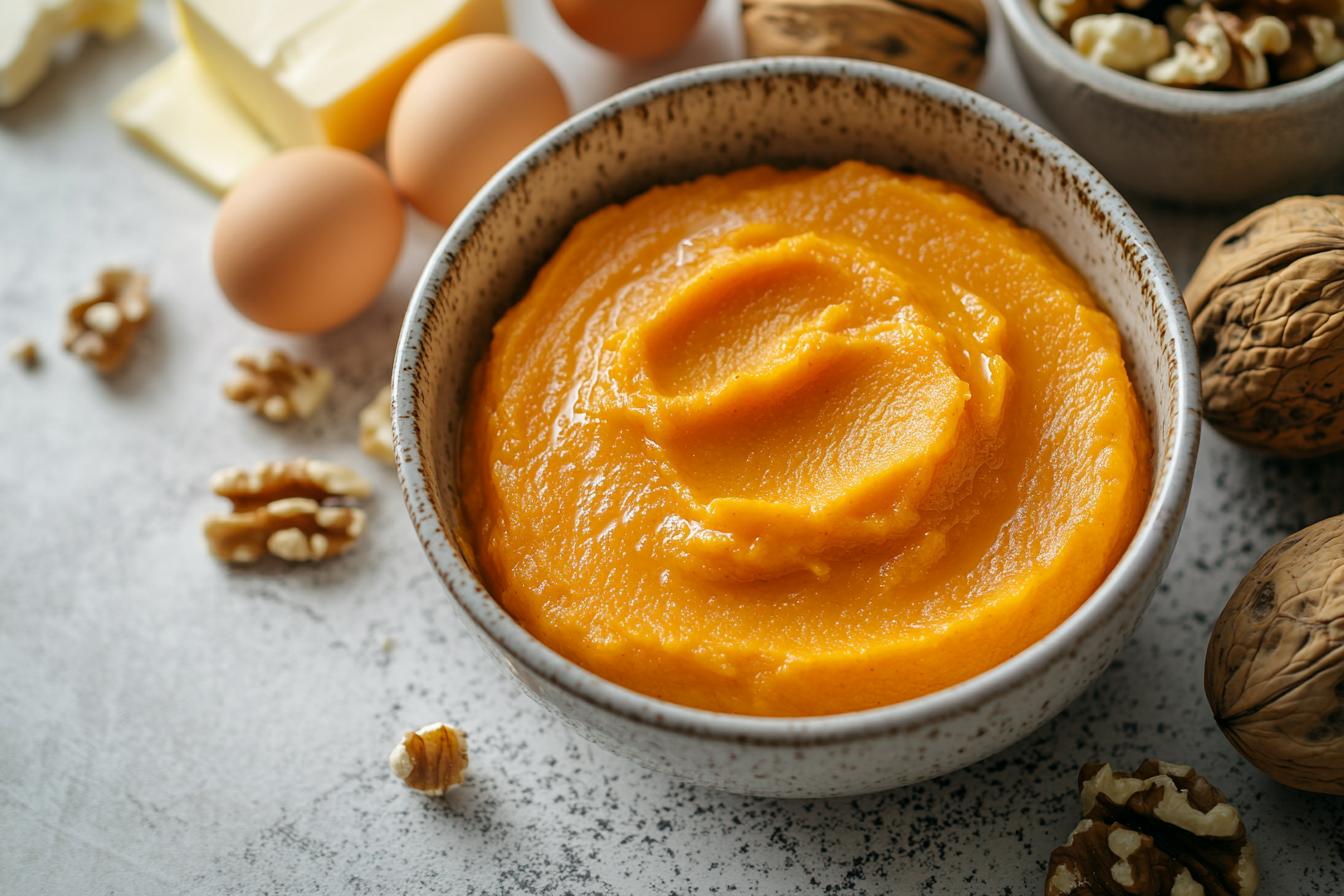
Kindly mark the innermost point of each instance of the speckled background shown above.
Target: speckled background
(170, 725)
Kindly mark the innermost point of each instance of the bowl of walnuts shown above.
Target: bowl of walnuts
(1189, 102)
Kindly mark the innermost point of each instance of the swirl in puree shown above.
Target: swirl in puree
(797, 443)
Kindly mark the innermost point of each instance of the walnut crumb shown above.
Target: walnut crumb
(23, 351)
(296, 510)
(278, 387)
(375, 427)
(103, 321)
(431, 760)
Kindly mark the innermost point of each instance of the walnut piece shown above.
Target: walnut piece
(1267, 303)
(23, 351)
(294, 510)
(375, 427)
(1274, 671)
(1101, 858)
(1316, 44)
(431, 760)
(278, 387)
(103, 321)
(1231, 44)
(1061, 14)
(1120, 41)
(1162, 830)
(1326, 45)
(1223, 50)
(943, 38)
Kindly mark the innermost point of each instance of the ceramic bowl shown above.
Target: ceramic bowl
(790, 112)
(1177, 144)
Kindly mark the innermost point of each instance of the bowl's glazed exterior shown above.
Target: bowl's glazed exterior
(1178, 144)
(791, 112)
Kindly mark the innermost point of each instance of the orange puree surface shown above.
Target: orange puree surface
(796, 443)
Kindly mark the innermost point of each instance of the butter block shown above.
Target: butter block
(31, 29)
(325, 71)
(184, 115)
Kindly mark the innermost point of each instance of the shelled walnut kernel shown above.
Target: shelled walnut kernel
(1120, 41)
(1223, 49)
(1061, 14)
(284, 509)
(431, 760)
(375, 427)
(1224, 44)
(278, 387)
(1162, 831)
(103, 321)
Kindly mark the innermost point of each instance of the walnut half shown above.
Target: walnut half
(1162, 830)
(102, 322)
(431, 760)
(293, 510)
(277, 386)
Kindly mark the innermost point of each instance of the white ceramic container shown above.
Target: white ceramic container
(790, 112)
(1173, 143)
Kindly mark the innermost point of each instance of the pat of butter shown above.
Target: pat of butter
(31, 29)
(183, 114)
(325, 71)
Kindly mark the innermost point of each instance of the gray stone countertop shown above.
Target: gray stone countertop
(170, 724)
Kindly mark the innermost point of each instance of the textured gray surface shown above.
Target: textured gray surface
(168, 724)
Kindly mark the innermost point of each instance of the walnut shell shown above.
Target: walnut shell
(1267, 303)
(943, 38)
(1274, 671)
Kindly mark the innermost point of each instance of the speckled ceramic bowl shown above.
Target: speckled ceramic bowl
(791, 112)
(1177, 144)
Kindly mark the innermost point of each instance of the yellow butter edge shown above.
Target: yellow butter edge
(182, 73)
(355, 118)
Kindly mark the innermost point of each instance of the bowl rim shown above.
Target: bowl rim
(1173, 470)
(1055, 52)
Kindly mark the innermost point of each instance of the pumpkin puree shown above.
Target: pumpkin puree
(797, 443)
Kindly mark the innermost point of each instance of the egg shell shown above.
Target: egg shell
(305, 241)
(465, 111)
(642, 30)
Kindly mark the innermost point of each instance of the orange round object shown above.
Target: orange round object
(465, 111)
(306, 240)
(633, 30)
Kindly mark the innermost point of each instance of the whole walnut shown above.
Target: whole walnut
(1267, 303)
(1274, 671)
(943, 38)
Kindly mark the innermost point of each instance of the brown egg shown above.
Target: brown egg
(466, 110)
(306, 240)
(640, 30)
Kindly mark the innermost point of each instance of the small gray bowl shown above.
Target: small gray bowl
(1177, 144)
(790, 112)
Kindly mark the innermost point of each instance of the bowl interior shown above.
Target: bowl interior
(786, 112)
